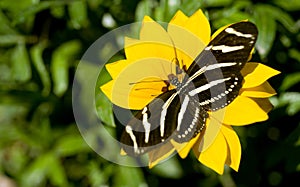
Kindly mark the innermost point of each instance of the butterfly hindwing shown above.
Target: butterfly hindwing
(190, 119)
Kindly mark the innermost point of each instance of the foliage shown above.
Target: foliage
(41, 43)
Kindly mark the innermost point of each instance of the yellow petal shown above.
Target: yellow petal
(262, 91)
(183, 149)
(215, 155)
(186, 51)
(183, 29)
(179, 19)
(154, 32)
(244, 111)
(256, 73)
(160, 154)
(180, 35)
(180, 146)
(264, 104)
(107, 89)
(199, 25)
(135, 86)
(234, 147)
(139, 49)
(115, 68)
(212, 129)
(154, 42)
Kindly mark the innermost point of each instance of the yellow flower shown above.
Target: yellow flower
(137, 80)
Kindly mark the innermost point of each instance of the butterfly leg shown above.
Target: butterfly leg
(166, 88)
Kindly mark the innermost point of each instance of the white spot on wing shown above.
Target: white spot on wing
(226, 49)
(208, 48)
(164, 113)
(219, 65)
(207, 86)
(132, 136)
(232, 31)
(146, 124)
(182, 111)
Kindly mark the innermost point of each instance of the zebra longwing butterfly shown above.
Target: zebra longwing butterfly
(211, 82)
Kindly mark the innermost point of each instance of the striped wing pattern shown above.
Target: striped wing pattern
(212, 81)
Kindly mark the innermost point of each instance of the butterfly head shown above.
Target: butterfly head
(174, 81)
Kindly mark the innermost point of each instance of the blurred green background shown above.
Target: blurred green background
(41, 43)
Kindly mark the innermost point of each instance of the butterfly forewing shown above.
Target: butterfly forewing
(212, 81)
(234, 44)
(223, 58)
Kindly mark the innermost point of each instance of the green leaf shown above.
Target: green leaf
(44, 166)
(283, 17)
(159, 13)
(71, 145)
(286, 41)
(294, 107)
(295, 54)
(104, 109)
(144, 8)
(5, 27)
(94, 4)
(16, 158)
(8, 40)
(169, 169)
(230, 17)
(173, 7)
(216, 3)
(291, 100)
(78, 14)
(36, 53)
(289, 5)
(21, 70)
(32, 10)
(16, 7)
(128, 176)
(99, 176)
(190, 7)
(61, 59)
(166, 10)
(104, 106)
(290, 80)
(56, 172)
(267, 30)
(267, 26)
(58, 11)
(35, 174)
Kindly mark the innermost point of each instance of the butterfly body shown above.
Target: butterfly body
(210, 83)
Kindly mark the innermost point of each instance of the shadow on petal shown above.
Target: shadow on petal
(160, 154)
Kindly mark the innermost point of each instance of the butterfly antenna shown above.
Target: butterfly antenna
(140, 82)
(179, 64)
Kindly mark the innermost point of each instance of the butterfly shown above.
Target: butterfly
(210, 83)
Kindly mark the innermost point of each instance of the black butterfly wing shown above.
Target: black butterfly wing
(213, 81)
(169, 116)
(191, 119)
(222, 60)
(144, 131)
